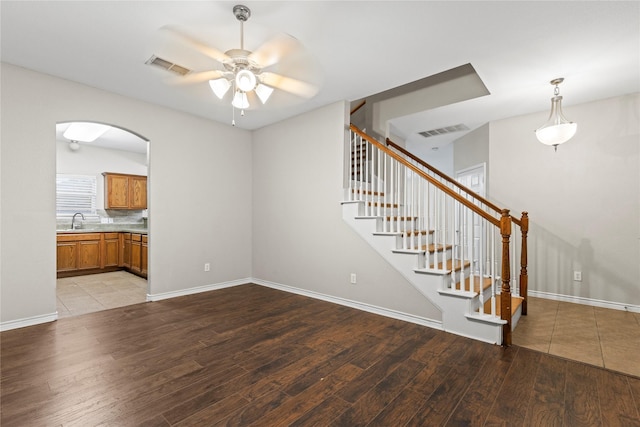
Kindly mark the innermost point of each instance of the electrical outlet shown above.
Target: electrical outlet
(353, 278)
(207, 266)
(577, 276)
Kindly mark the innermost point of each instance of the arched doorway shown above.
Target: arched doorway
(101, 217)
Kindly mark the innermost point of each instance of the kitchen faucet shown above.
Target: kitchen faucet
(73, 225)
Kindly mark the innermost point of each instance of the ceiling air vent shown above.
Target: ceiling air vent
(443, 131)
(167, 65)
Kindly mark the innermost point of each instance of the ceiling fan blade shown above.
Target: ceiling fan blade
(289, 84)
(276, 48)
(196, 77)
(198, 45)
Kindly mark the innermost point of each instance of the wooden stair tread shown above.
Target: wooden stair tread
(477, 282)
(450, 266)
(402, 218)
(374, 193)
(515, 303)
(436, 248)
(418, 232)
(384, 205)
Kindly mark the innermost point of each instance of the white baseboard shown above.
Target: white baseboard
(28, 321)
(586, 301)
(197, 290)
(435, 324)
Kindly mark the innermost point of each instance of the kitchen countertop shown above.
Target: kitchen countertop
(111, 229)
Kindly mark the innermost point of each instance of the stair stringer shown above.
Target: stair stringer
(455, 307)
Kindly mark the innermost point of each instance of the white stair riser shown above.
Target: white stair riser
(455, 310)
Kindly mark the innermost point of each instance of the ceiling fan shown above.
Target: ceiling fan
(280, 63)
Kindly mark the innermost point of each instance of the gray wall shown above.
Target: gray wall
(300, 239)
(267, 204)
(199, 199)
(583, 200)
(472, 149)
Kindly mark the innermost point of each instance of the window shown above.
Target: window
(75, 193)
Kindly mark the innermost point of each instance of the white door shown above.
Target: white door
(473, 179)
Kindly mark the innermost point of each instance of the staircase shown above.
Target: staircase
(454, 246)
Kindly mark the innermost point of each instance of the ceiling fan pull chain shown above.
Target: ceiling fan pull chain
(233, 115)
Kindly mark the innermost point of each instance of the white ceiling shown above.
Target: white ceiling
(363, 48)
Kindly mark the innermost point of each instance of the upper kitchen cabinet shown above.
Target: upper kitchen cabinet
(125, 191)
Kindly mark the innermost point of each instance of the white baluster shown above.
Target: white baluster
(493, 272)
(352, 176)
(385, 160)
(463, 235)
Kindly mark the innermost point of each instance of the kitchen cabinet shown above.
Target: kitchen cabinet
(126, 250)
(137, 192)
(122, 191)
(144, 255)
(66, 256)
(111, 249)
(139, 254)
(77, 252)
(136, 253)
(99, 252)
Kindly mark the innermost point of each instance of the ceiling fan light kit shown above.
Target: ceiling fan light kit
(557, 129)
(277, 64)
(219, 87)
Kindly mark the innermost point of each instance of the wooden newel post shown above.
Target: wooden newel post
(505, 293)
(524, 277)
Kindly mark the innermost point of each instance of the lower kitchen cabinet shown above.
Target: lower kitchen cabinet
(66, 256)
(111, 249)
(77, 252)
(88, 253)
(136, 253)
(126, 250)
(144, 255)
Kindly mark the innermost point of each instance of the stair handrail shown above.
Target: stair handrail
(432, 180)
(503, 224)
(522, 222)
(443, 175)
(358, 107)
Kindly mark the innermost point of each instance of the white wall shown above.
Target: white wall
(90, 160)
(300, 239)
(583, 200)
(199, 196)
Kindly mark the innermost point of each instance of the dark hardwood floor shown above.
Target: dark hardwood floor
(250, 355)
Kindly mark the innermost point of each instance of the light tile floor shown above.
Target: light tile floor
(96, 292)
(593, 335)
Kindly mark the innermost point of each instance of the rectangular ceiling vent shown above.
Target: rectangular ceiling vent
(168, 65)
(443, 131)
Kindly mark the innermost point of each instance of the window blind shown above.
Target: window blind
(75, 193)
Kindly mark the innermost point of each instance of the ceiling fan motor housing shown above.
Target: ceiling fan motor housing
(241, 12)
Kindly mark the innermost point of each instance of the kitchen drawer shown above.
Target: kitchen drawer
(75, 237)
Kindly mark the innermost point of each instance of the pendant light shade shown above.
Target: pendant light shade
(557, 129)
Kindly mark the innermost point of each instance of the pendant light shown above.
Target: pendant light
(557, 129)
